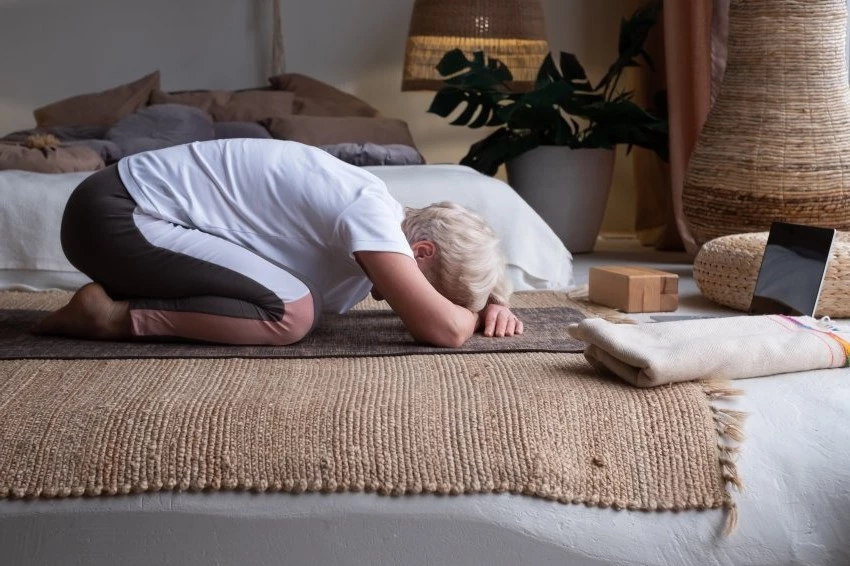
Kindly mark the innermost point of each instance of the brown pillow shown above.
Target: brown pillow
(203, 99)
(53, 159)
(316, 98)
(253, 106)
(327, 130)
(103, 108)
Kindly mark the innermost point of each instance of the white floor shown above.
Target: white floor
(628, 251)
(794, 511)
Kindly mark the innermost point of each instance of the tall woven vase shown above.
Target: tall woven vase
(776, 144)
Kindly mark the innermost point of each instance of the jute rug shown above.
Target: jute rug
(541, 424)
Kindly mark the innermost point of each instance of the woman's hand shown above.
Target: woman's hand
(498, 320)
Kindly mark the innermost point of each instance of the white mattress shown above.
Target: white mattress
(795, 510)
(31, 206)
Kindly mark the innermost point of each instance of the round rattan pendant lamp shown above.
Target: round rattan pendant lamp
(513, 31)
(776, 143)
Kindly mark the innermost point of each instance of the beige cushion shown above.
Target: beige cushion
(316, 98)
(328, 130)
(53, 159)
(203, 99)
(726, 269)
(103, 108)
(253, 106)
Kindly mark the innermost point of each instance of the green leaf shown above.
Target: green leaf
(490, 153)
(476, 105)
(574, 72)
(469, 113)
(623, 112)
(652, 136)
(452, 62)
(445, 101)
(634, 32)
(647, 59)
(564, 132)
(527, 117)
(548, 72)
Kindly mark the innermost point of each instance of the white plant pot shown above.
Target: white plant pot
(568, 188)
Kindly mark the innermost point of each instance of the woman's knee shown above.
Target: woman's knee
(299, 318)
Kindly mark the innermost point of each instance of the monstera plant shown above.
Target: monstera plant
(564, 107)
(556, 138)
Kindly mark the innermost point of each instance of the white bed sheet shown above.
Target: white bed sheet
(31, 206)
(795, 510)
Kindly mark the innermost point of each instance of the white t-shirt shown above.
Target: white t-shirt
(295, 205)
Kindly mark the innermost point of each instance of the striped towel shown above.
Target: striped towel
(652, 354)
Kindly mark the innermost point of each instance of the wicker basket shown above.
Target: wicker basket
(776, 142)
(726, 268)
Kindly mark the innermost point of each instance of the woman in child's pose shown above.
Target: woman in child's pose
(248, 241)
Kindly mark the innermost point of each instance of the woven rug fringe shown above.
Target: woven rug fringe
(581, 296)
(730, 431)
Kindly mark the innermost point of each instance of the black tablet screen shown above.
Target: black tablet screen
(792, 269)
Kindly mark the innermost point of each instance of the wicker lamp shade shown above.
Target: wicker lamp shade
(776, 142)
(510, 30)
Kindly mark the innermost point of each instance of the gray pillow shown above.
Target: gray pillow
(159, 126)
(364, 154)
(109, 151)
(228, 130)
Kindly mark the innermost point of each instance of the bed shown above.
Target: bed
(31, 257)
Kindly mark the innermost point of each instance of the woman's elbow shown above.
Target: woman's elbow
(450, 336)
(455, 340)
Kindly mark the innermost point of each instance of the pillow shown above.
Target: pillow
(103, 108)
(227, 130)
(253, 106)
(108, 150)
(203, 99)
(159, 126)
(536, 257)
(316, 98)
(52, 159)
(362, 154)
(85, 136)
(62, 133)
(329, 130)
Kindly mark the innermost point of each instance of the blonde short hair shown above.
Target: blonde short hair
(470, 266)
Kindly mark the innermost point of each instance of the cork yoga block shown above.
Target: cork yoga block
(634, 289)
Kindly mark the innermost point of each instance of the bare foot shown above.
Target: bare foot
(91, 314)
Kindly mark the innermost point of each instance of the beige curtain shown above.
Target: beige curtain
(691, 45)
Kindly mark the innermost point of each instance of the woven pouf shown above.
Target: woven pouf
(776, 142)
(726, 268)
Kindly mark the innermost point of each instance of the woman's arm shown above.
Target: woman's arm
(427, 315)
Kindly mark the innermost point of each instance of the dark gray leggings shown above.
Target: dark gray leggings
(100, 238)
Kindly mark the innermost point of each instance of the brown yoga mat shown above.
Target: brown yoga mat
(358, 333)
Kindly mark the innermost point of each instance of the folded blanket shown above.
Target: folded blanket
(721, 348)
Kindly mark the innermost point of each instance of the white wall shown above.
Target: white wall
(51, 49)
